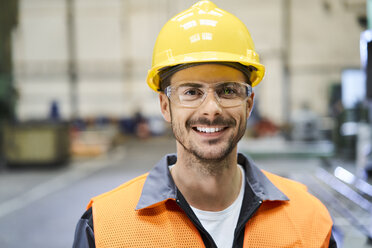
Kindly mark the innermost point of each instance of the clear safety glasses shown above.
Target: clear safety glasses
(228, 94)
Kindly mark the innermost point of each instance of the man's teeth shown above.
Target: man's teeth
(208, 130)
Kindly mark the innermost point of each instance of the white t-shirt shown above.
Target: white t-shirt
(221, 225)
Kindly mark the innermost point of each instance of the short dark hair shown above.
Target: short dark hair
(165, 74)
(164, 83)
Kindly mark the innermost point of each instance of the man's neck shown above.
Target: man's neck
(206, 185)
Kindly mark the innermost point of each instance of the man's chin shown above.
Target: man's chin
(207, 152)
(212, 155)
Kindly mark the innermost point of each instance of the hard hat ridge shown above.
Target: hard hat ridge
(205, 5)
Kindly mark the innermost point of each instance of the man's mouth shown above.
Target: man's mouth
(209, 129)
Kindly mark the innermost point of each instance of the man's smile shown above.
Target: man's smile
(208, 132)
(209, 129)
(204, 129)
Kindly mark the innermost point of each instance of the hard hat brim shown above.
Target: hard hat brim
(256, 77)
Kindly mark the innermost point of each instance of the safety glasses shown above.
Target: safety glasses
(228, 94)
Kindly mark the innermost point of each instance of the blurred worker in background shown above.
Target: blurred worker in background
(207, 195)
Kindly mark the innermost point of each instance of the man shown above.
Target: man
(208, 195)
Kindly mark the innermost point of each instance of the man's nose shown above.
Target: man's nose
(211, 106)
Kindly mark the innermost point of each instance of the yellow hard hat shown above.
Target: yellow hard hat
(204, 33)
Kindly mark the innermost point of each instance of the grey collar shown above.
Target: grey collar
(159, 185)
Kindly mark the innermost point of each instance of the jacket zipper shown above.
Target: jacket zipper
(240, 228)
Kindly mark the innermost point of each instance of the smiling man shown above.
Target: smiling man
(206, 195)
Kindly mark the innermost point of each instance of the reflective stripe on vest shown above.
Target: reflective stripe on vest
(301, 222)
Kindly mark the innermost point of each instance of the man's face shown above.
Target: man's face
(209, 131)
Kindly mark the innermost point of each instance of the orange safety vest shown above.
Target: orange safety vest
(301, 222)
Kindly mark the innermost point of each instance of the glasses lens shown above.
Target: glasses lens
(231, 94)
(190, 95)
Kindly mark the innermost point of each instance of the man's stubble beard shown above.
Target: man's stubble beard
(213, 163)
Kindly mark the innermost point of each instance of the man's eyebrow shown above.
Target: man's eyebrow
(191, 84)
(231, 82)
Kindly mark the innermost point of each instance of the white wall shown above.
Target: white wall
(114, 46)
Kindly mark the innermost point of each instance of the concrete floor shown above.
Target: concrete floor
(40, 207)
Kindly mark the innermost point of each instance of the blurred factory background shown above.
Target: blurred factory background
(77, 117)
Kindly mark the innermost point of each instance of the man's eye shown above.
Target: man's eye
(227, 91)
(192, 92)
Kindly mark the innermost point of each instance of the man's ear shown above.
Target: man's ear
(164, 107)
(250, 104)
